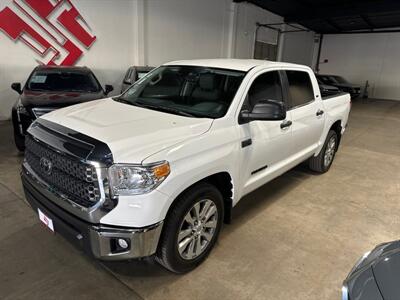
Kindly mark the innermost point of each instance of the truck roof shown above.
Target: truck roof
(231, 63)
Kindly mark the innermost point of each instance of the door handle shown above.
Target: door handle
(320, 112)
(285, 124)
(246, 143)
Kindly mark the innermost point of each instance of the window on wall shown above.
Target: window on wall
(300, 88)
(265, 51)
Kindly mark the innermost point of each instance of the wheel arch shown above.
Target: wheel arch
(337, 127)
(223, 181)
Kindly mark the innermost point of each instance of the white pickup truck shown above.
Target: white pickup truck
(157, 170)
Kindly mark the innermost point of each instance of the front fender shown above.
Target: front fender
(196, 159)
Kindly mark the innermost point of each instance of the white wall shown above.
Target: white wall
(151, 32)
(184, 29)
(188, 29)
(362, 57)
(247, 17)
(298, 47)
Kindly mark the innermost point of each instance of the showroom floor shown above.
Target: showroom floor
(295, 238)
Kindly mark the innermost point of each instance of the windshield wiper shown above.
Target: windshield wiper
(163, 108)
(122, 100)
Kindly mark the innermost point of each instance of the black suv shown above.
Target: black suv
(49, 88)
(341, 83)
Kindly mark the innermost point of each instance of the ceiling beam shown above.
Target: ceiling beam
(344, 10)
(333, 24)
(367, 21)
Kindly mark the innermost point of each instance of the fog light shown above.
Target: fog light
(123, 243)
(120, 244)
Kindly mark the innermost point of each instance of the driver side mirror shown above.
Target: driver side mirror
(264, 110)
(16, 86)
(108, 88)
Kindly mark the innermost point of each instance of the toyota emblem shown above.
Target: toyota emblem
(46, 165)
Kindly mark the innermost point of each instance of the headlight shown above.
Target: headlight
(137, 179)
(20, 108)
(369, 257)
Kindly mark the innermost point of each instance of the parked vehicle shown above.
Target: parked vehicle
(327, 90)
(133, 74)
(49, 88)
(338, 81)
(376, 275)
(159, 168)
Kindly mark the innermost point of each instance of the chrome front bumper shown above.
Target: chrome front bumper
(95, 239)
(143, 242)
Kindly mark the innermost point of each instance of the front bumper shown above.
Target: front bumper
(95, 239)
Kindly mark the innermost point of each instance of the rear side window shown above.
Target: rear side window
(300, 88)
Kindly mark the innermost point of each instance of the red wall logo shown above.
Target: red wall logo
(52, 28)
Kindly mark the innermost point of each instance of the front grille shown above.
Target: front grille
(40, 111)
(71, 177)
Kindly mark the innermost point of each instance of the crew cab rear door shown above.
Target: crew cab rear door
(307, 112)
(265, 145)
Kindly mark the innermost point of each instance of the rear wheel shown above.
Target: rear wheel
(323, 161)
(191, 228)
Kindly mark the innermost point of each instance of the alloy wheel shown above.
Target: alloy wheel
(330, 151)
(197, 229)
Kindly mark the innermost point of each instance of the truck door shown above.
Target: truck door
(265, 144)
(307, 113)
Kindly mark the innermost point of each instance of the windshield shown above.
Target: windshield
(186, 90)
(66, 81)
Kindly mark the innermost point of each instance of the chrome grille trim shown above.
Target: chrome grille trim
(76, 179)
(40, 111)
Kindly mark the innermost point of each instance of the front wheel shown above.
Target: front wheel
(191, 228)
(19, 142)
(323, 161)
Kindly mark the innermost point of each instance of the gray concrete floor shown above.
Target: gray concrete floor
(295, 238)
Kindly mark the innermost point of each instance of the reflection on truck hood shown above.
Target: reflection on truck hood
(131, 132)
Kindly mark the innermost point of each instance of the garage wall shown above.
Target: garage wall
(362, 57)
(189, 29)
(247, 17)
(298, 47)
(177, 29)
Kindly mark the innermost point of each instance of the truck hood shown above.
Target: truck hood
(132, 133)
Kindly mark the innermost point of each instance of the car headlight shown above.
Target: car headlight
(369, 257)
(137, 179)
(20, 107)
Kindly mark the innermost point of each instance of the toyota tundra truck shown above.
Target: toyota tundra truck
(157, 170)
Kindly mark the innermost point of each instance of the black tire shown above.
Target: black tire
(167, 253)
(317, 163)
(19, 142)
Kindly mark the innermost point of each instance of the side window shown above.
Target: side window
(300, 88)
(267, 86)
